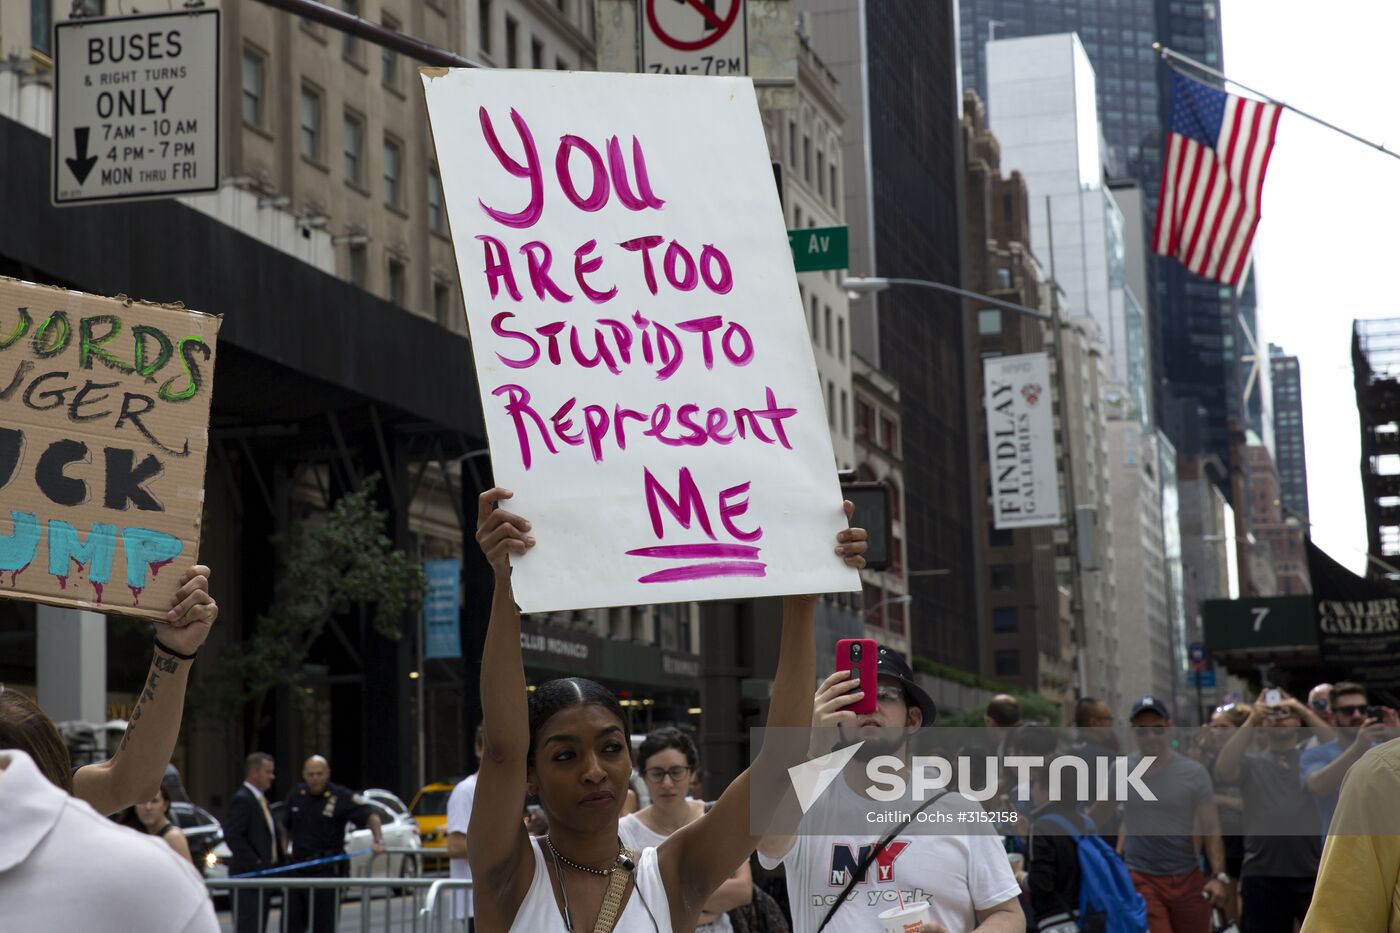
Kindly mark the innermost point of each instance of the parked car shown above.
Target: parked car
(400, 832)
(429, 808)
(204, 833)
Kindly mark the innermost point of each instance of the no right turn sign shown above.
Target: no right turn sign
(694, 37)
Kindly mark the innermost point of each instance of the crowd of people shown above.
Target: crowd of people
(1262, 820)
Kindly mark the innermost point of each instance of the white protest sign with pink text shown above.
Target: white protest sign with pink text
(645, 369)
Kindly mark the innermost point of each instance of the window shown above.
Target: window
(393, 159)
(988, 321)
(310, 122)
(841, 339)
(792, 145)
(536, 54)
(389, 59)
(796, 217)
(896, 555)
(1004, 277)
(483, 23)
(889, 435)
(816, 322)
(357, 265)
(821, 173)
(830, 404)
(827, 311)
(512, 43)
(561, 65)
(831, 185)
(895, 509)
(437, 220)
(41, 25)
(1003, 578)
(350, 44)
(254, 89)
(1000, 537)
(354, 146)
(1006, 662)
(807, 158)
(442, 303)
(1004, 621)
(865, 419)
(396, 282)
(845, 416)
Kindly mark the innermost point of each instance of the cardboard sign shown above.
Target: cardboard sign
(104, 414)
(1021, 441)
(644, 364)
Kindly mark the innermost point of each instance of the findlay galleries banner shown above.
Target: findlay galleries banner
(646, 374)
(1358, 621)
(104, 426)
(1021, 441)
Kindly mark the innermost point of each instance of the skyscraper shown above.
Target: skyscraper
(1290, 454)
(1196, 344)
(901, 192)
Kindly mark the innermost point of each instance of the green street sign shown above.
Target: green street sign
(818, 248)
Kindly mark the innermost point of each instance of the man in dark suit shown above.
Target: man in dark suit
(252, 837)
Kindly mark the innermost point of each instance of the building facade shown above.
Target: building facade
(1195, 341)
(1043, 108)
(878, 417)
(1290, 450)
(1145, 635)
(903, 213)
(1375, 360)
(1020, 615)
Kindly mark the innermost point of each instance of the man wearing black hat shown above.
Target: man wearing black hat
(839, 876)
(1156, 836)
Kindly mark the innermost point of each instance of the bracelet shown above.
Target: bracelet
(172, 652)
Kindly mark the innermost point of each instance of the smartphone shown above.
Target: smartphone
(1375, 712)
(858, 655)
(1273, 697)
(872, 512)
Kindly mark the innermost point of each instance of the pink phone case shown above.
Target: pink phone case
(863, 669)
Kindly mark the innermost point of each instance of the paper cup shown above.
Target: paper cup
(906, 919)
(1017, 860)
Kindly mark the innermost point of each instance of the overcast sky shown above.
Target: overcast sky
(1328, 247)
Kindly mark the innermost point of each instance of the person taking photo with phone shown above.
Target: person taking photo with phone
(1358, 726)
(844, 870)
(1276, 880)
(567, 742)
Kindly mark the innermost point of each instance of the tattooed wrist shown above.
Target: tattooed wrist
(161, 646)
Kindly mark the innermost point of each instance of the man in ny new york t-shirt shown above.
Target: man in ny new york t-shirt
(965, 879)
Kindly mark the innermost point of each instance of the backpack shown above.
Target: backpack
(1105, 888)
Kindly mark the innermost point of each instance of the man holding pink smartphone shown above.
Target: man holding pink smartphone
(852, 871)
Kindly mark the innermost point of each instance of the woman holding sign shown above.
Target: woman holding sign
(568, 743)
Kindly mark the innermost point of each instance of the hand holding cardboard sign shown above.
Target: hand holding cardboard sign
(192, 612)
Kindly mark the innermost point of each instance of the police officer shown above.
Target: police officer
(315, 815)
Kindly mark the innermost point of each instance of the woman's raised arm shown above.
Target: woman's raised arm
(497, 842)
(699, 857)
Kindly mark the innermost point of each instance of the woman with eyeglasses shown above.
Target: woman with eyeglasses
(666, 761)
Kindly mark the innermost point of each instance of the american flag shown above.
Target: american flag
(1218, 148)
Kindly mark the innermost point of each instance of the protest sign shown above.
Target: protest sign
(104, 414)
(645, 368)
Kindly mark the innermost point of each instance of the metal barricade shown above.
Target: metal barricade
(294, 904)
(406, 862)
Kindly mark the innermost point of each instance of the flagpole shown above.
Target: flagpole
(1171, 56)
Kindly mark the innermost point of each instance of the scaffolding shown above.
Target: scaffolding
(1375, 353)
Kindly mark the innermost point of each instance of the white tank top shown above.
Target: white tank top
(540, 913)
(640, 836)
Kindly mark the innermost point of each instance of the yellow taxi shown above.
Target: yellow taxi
(429, 809)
